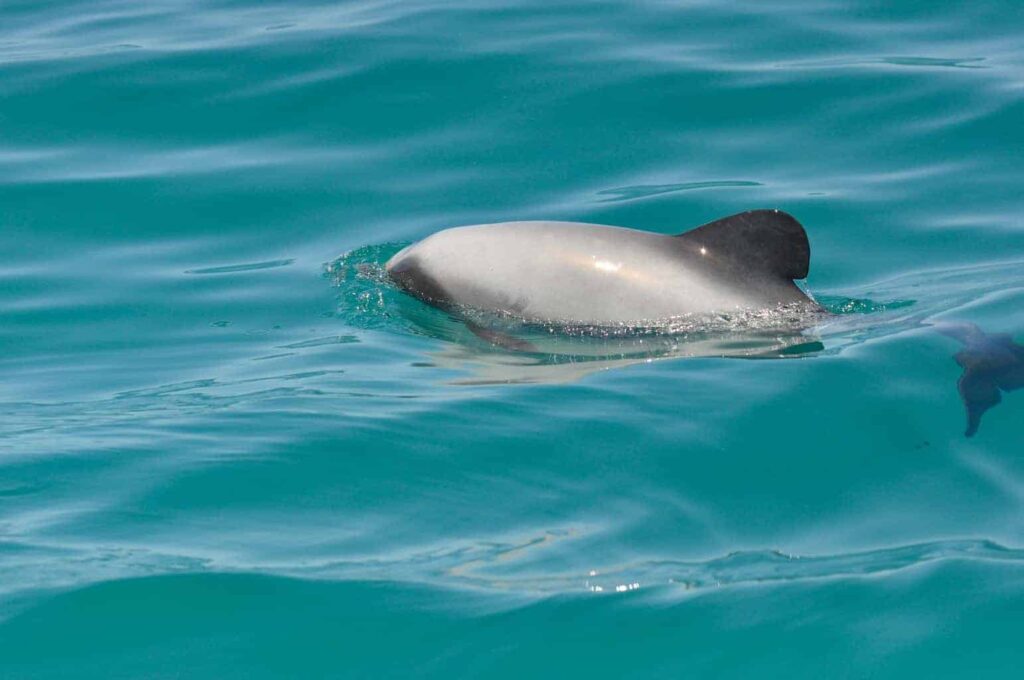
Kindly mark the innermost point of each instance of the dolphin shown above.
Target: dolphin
(573, 275)
(570, 273)
(991, 362)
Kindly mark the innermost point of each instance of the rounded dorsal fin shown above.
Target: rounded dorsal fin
(769, 241)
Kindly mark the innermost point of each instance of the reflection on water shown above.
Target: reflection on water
(562, 359)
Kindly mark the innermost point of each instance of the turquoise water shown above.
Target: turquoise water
(228, 450)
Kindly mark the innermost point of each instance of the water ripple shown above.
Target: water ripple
(492, 566)
(248, 267)
(632, 193)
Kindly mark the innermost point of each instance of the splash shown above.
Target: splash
(365, 297)
(847, 305)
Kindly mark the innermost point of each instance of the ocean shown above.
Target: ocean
(228, 450)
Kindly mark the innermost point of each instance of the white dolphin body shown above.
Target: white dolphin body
(588, 274)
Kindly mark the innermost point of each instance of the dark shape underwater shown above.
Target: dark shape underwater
(991, 363)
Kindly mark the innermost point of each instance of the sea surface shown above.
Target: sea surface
(228, 449)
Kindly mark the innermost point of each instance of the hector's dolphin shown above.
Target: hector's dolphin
(538, 277)
(594, 275)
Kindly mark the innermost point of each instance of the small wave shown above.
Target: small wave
(968, 62)
(755, 567)
(321, 342)
(905, 61)
(767, 566)
(632, 193)
(492, 566)
(247, 267)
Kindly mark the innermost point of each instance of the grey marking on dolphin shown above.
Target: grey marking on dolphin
(991, 363)
(597, 275)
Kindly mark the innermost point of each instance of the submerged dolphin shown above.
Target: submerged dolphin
(991, 363)
(594, 275)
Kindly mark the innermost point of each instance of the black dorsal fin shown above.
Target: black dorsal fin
(769, 241)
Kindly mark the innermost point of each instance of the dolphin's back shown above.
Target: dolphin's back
(594, 274)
